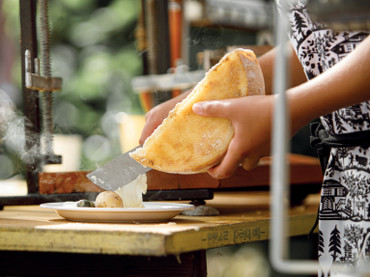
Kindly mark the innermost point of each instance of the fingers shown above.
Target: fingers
(229, 163)
(235, 157)
(217, 108)
(147, 131)
(228, 167)
(250, 163)
(155, 116)
(151, 124)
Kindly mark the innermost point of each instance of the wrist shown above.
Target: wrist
(302, 109)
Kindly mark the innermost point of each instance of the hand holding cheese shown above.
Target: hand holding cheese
(251, 118)
(189, 143)
(343, 85)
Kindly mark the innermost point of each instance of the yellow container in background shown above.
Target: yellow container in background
(130, 126)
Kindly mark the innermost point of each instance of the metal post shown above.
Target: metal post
(157, 39)
(31, 109)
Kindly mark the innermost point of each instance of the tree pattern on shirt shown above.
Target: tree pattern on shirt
(335, 243)
(321, 243)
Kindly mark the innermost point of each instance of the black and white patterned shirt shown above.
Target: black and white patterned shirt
(344, 217)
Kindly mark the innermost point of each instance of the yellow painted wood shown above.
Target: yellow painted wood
(244, 217)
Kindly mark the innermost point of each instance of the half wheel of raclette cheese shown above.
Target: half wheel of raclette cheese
(188, 143)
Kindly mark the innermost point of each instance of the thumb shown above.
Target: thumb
(217, 108)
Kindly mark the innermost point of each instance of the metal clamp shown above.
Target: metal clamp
(35, 81)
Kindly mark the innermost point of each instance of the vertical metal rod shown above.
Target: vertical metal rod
(185, 49)
(279, 181)
(47, 103)
(157, 35)
(31, 110)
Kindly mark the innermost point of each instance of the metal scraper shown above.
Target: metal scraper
(117, 172)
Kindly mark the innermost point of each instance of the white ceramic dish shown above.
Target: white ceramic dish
(152, 212)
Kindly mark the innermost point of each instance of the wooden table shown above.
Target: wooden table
(46, 242)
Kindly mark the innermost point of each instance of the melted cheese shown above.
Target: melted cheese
(132, 193)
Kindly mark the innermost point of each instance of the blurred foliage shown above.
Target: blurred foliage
(94, 51)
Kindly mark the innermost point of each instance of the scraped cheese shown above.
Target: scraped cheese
(132, 193)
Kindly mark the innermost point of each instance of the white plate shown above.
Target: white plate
(152, 212)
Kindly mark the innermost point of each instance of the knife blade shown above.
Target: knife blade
(117, 172)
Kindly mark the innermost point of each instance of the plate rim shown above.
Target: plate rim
(169, 207)
(118, 215)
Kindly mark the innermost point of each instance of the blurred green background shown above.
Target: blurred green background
(93, 49)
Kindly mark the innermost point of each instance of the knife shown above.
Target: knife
(117, 172)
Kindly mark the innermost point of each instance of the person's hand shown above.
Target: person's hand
(155, 116)
(251, 118)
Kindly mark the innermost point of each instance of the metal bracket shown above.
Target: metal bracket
(35, 81)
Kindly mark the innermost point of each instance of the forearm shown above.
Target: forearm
(296, 73)
(345, 84)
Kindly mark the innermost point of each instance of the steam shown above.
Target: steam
(97, 147)
(9, 122)
(12, 134)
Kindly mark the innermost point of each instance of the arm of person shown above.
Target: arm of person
(345, 84)
(155, 116)
(267, 63)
